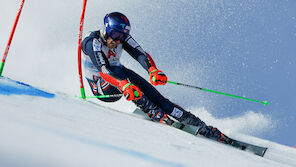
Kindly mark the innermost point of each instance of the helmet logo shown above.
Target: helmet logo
(123, 25)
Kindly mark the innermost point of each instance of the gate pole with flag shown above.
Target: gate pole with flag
(79, 49)
(11, 36)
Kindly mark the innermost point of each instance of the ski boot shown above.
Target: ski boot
(214, 134)
(154, 112)
(186, 117)
(159, 116)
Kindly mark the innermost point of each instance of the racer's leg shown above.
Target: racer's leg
(98, 85)
(156, 99)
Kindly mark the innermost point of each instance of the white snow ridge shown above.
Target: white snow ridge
(250, 123)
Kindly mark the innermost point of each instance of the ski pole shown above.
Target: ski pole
(212, 91)
(11, 36)
(100, 96)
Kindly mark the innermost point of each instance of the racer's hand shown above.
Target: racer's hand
(130, 91)
(157, 77)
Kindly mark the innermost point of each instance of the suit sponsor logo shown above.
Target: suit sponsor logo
(111, 53)
(96, 45)
(177, 113)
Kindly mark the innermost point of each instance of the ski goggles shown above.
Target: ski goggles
(117, 36)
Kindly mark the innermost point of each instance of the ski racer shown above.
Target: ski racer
(106, 75)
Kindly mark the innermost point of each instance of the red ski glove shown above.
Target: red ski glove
(130, 91)
(157, 77)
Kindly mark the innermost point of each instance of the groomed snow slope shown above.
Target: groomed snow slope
(63, 131)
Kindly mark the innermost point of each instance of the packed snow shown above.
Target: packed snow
(66, 131)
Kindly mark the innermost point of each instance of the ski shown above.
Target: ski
(187, 128)
(249, 147)
(257, 150)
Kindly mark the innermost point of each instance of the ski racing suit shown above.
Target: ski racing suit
(99, 59)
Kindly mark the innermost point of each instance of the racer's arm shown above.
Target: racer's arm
(136, 51)
(156, 76)
(91, 46)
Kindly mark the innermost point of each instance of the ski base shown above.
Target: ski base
(257, 150)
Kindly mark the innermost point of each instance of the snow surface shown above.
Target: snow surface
(66, 131)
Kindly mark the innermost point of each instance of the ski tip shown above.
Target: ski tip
(264, 151)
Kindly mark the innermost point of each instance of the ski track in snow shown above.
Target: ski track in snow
(95, 143)
(37, 127)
